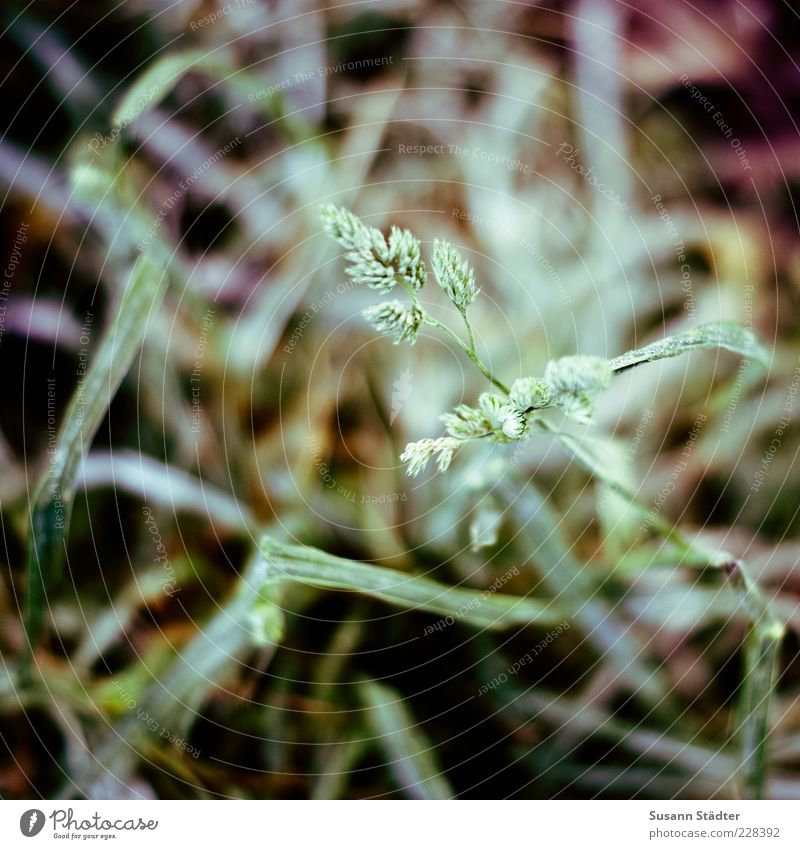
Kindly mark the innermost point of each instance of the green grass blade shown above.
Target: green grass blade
(475, 607)
(761, 646)
(339, 766)
(152, 86)
(719, 334)
(175, 697)
(410, 754)
(166, 486)
(53, 501)
(759, 679)
(581, 601)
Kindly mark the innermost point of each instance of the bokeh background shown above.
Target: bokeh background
(614, 171)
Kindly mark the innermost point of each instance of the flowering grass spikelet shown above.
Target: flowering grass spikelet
(369, 255)
(465, 422)
(576, 383)
(571, 384)
(503, 421)
(396, 317)
(492, 406)
(454, 275)
(417, 454)
(371, 264)
(347, 229)
(405, 257)
(446, 447)
(514, 423)
(530, 393)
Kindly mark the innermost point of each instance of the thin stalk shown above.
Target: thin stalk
(672, 534)
(468, 348)
(284, 563)
(470, 332)
(407, 751)
(470, 352)
(176, 698)
(762, 642)
(759, 678)
(52, 505)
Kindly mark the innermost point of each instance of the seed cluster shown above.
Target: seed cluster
(570, 384)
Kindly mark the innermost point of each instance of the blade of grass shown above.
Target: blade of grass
(410, 754)
(763, 639)
(174, 698)
(342, 759)
(541, 544)
(718, 334)
(165, 485)
(108, 623)
(311, 566)
(575, 720)
(50, 512)
(691, 755)
(759, 678)
(155, 83)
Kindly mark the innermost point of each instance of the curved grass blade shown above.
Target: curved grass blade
(410, 754)
(582, 601)
(166, 486)
(155, 83)
(475, 607)
(759, 679)
(339, 766)
(719, 334)
(209, 658)
(762, 644)
(52, 505)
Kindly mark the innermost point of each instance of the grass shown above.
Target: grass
(295, 616)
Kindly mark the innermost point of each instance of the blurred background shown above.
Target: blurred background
(614, 172)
